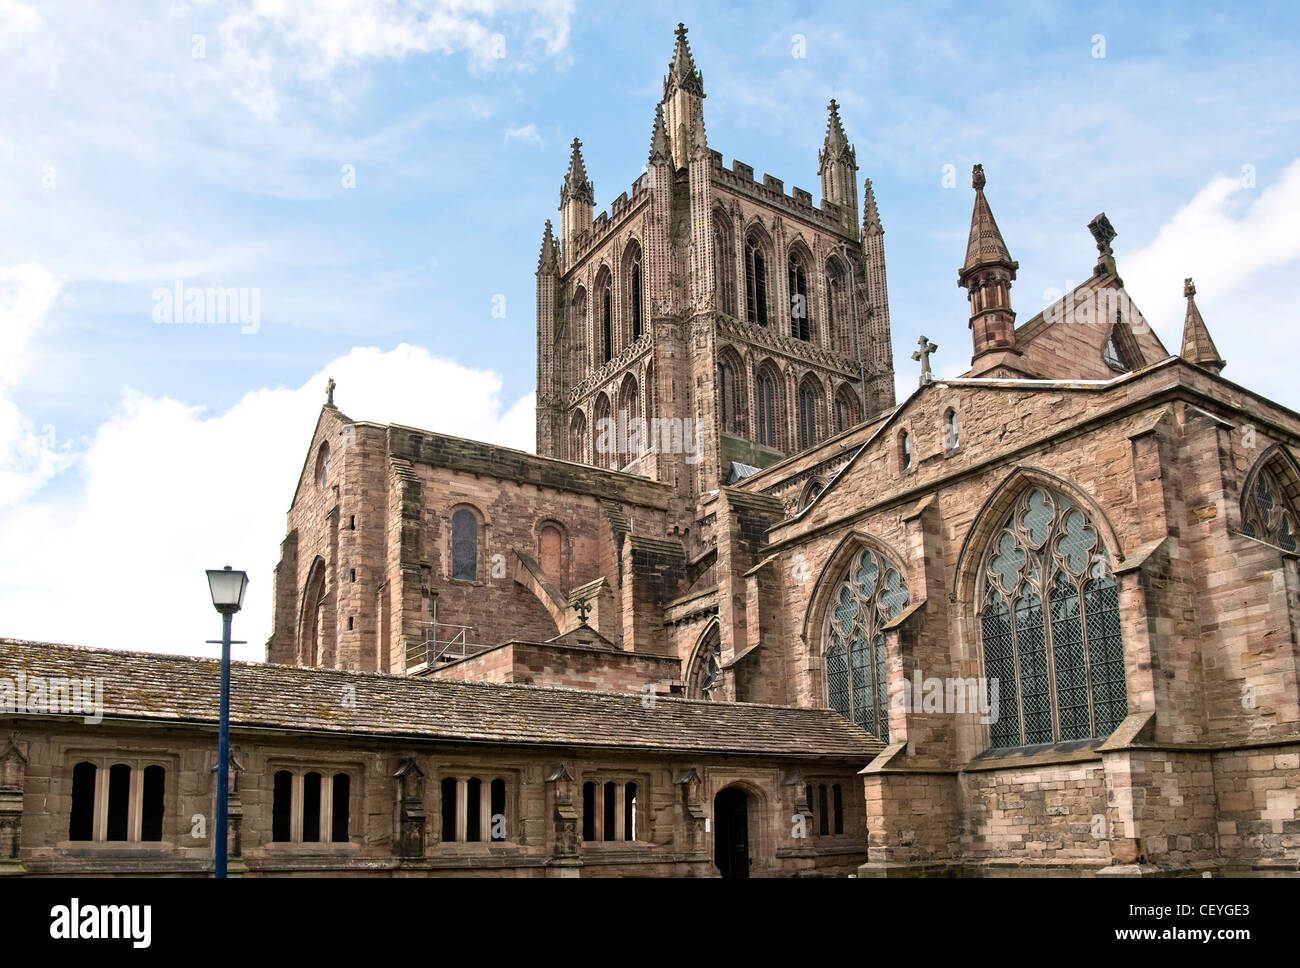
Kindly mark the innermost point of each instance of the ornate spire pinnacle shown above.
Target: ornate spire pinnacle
(699, 140)
(682, 74)
(1198, 348)
(870, 215)
(546, 260)
(660, 151)
(837, 147)
(986, 246)
(576, 183)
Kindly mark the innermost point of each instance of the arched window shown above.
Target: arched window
(605, 311)
(550, 553)
(839, 306)
(951, 430)
(800, 315)
(578, 438)
(846, 409)
(634, 289)
(811, 492)
(904, 450)
(755, 281)
(323, 465)
(464, 545)
(81, 825)
(870, 593)
(1049, 614)
(1267, 513)
(705, 676)
(311, 636)
(724, 263)
(809, 403)
(579, 362)
(731, 397)
(630, 432)
(767, 408)
(604, 439)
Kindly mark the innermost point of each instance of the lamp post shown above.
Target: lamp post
(227, 589)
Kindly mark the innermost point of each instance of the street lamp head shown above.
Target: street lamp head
(227, 589)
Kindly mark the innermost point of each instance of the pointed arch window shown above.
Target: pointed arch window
(904, 450)
(1268, 515)
(846, 409)
(809, 398)
(1049, 615)
(634, 296)
(706, 668)
(724, 265)
(464, 545)
(800, 316)
(838, 306)
(578, 438)
(755, 282)
(605, 306)
(767, 411)
(731, 415)
(870, 592)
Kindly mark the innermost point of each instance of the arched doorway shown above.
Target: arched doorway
(731, 832)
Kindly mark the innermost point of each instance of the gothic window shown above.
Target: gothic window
(464, 545)
(810, 493)
(706, 667)
(605, 313)
(1268, 515)
(610, 811)
(634, 295)
(629, 431)
(904, 450)
(724, 264)
(800, 322)
(731, 397)
(951, 430)
(846, 409)
(1049, 614)
(838, 306)
(131, 812)
(604, 439)
(312, 623)
(768, 410)
(825, 803)
(809, 401)
(473, 810)
(578, 438)
(755, 282)
(870, 593)
(323, 465)
(550, 553)
(1113, 354)
(578, 361)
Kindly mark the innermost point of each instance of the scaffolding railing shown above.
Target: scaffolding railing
(442, 643)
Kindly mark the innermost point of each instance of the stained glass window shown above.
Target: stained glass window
(1268, 515)
(706, 669)
(464, 545)
(870, 593)
(755, 283)
(1049, 614)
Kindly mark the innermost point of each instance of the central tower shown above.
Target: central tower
(709, 323)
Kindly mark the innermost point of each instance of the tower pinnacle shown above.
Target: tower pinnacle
(1198, 347)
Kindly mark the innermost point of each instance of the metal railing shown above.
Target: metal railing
(441, 646)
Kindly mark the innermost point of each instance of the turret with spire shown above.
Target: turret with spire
(838, 166)
(550, 355)
(577, 198)
(683, 100)
(1198, 348)
(987, 275)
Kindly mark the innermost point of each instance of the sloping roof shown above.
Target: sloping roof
(181, 689)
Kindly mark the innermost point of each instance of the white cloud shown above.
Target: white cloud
(527, 134)
(1227, 234)
(170, 490)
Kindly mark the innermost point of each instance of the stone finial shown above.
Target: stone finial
(583, 608)
(1103, 233)
(682, 73)
(660, 151)
(870, 214)
(922, 354)
(329, 392)
(547, 258)
(986, 246)
(1198, 347)
(977, 179)
(576, 183)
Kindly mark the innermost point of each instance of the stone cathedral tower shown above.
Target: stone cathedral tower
(709, 323)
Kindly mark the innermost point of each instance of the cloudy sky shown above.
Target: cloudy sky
(375, 173)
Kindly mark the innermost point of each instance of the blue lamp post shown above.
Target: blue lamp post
(227, 589)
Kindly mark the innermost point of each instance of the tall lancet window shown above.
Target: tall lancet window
(839, 307)
(605, 311)
(1049, 613)
(634, 296)
(755, 282)
(800, 322)
(869, 593)
(767, 409)
(724, 264)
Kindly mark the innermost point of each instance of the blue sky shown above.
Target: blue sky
(142, 143)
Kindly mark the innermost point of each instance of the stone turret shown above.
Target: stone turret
(838, 166)
(683, 100)
(1198, 347)
(577, 198)
(987, 275)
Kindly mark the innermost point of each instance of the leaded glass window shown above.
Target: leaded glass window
(800, 324)
(1049, 614)
(1268, 515)
(706, 670)
(869, 594)
(464, 545)
(755, 282)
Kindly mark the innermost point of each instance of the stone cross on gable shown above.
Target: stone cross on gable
(1189, 288)
(925, 348)
(329, 392)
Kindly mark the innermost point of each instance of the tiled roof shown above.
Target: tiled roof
(169, 688)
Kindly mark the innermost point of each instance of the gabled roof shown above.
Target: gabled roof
(147, 687)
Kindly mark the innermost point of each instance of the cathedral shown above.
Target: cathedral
(743, 613)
